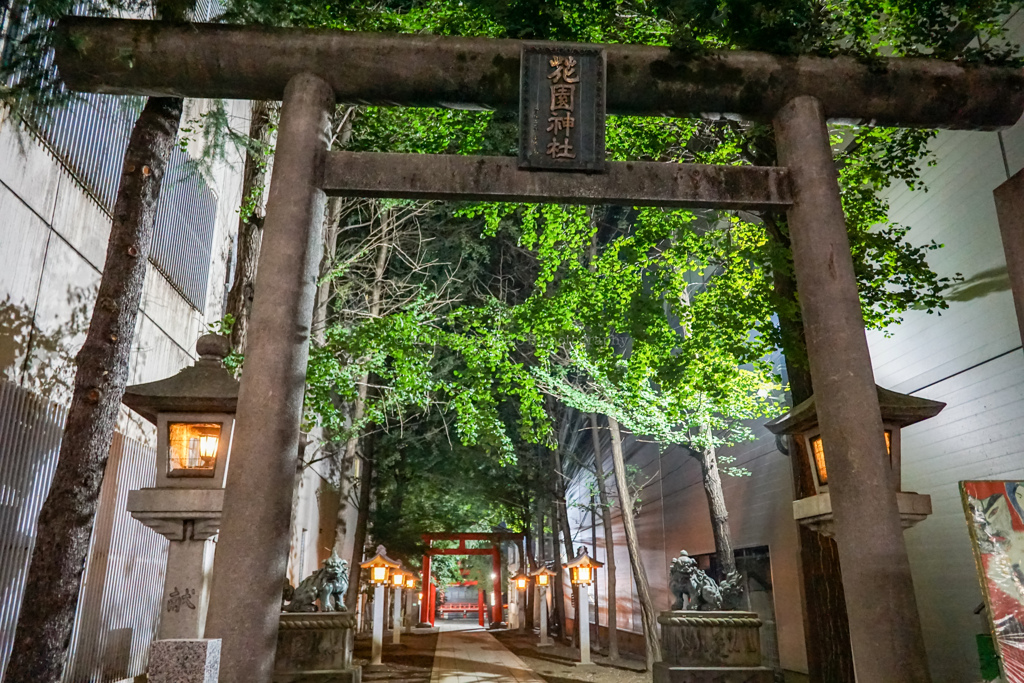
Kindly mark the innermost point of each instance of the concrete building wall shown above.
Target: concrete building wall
(53, 238)
(970, 358)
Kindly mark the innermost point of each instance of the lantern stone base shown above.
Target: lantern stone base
(711, 647)
(316, 645)
(815, 512)
(184, 661)
(663, 673)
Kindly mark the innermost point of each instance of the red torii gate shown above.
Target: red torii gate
(495, 539)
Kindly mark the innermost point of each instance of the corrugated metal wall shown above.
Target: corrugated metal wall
(30, 431)
(89, 135)
(120, 600)
(185, 221)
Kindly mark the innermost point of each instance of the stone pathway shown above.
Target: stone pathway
(469, 654)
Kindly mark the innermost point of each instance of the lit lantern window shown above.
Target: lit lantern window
(818, 451)
(410, 583)
(383, 568)
(192, 448)
(582, 567)
(543, 576)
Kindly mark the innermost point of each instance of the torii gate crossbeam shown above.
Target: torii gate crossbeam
(256, 62)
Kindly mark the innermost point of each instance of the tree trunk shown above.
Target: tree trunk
(65, 522)
(363, 518)
(250, 222)
(359, 407)
(558, 578)
(562, 510)
(712, 479)
(530, 566)
(323, 292)
(609, 541)
(826, 626)
(643, 586)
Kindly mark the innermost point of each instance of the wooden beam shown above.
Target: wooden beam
(472, 536)
(456, 551)
(451, 177)
(255, 62)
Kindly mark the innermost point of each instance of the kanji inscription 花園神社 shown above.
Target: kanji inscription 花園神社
(562, 108)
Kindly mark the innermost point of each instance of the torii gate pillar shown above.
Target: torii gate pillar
(496, 608)
(254, 533)
(885, 628)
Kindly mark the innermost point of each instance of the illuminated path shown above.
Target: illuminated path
(467, 654)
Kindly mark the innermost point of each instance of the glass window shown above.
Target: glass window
(192, 448)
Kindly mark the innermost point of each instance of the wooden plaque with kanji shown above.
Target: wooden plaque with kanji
(562, 108)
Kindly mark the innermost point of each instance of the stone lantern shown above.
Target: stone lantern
(397, 583)
(521, 581)
(194, 413)
(380, 566)
(543, 576)
(581, 568)
(581, 572)
(517, 606)
(801, 425)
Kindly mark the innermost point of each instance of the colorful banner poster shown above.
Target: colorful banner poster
(995, 517)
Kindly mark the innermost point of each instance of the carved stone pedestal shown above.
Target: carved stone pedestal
(711, 647)
(316, 645)
(184, 661)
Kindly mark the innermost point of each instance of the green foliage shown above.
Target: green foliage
(963, 30)
(662, 319)
(233, 361)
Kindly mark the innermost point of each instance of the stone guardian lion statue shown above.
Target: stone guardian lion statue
(695, 590)
(326, 585)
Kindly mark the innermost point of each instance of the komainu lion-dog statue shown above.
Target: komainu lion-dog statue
(326, 585)
(695, 590)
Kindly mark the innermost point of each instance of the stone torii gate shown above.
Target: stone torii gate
(495, 539)
(311, 71)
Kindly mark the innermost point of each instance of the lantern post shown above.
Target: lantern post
(581, 570)
(410, 602)
(397, 583)
(543, 580)
(520, 582)
(380, 566)
(194, 413)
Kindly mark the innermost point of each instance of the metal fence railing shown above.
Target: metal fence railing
(119, 603)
